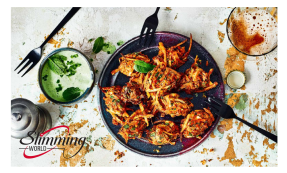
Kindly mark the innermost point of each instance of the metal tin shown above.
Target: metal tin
(26, 117)
(85, 94)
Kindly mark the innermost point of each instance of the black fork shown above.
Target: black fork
(150, 26)
(225, 111)
(35, 55)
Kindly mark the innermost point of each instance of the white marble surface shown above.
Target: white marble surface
(31, 25)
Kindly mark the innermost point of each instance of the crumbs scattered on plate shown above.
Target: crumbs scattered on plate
(156, 150)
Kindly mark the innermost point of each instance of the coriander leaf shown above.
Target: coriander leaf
(190, 134)
(152, 134)
(71, 93)
(98, 45)
(72, 69)
(59, 88)
(74, 56)
(126, 126)
(45, 77)
(70, 62)
(90, 40)
(109, 48)
(58, 81)
(72, 72)
(119, 43)
(75, 66)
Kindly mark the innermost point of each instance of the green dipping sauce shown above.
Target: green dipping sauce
(78, 77)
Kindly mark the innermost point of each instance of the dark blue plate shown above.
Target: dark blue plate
(141, 146)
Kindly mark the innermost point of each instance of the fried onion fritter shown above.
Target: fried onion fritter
(196, 123)
(196, 80)
(163, 132)
(131, 93)
(160, 81)
(134, 125)
(115, 106)
(127, 63)
(172, 57)
(138, 78)
(173, 105)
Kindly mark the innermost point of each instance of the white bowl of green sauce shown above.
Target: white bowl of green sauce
(66, 76)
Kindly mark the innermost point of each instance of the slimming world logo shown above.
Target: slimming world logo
(46, 144)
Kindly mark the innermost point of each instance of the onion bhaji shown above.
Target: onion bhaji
(138, 78)
(196, 123)
(160, 81)
(163, 132)
(115, 106)
(172, 57)
(127, 63)
(135, 125)
(195, 79)
(131, 93)
(173, 105)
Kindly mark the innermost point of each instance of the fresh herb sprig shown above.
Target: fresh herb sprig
(57, 65)
(71, 93)
(72, 69)
(98, 45)
(143, 67)
(109, 47)
(75, 56)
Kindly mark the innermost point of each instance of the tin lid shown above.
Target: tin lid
(236, 79)
(24, 117)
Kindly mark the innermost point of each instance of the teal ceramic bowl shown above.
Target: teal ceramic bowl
(86, 92)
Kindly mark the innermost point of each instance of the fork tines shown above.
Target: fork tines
(28, 61)
(149, 26)
(147, 35)
(214, 103)
(216, 100)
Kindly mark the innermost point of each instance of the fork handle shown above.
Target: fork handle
(71, 13)
(263, 132)
(156, 11)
